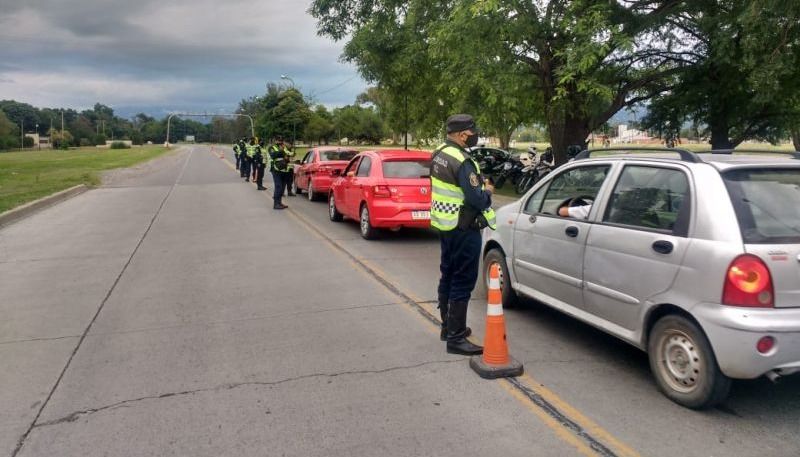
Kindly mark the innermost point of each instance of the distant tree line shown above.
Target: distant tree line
(287, 112)
(94, 126)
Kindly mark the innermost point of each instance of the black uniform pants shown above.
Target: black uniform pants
(244, 170)
(278, 187)
(260, 175)
(461, 251)
(237, 160)
(288, 177)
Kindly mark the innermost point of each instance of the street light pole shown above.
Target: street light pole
(289, 78)
(21, 134)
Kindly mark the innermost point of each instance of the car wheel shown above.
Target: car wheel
(295, 188)
(368, 232)
(684, 365)
(496, 256)
(333, 213)
(311, 194)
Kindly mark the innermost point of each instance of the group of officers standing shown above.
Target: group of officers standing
(461, 206)
(252, 159)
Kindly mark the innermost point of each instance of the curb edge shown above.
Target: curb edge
(30, 208)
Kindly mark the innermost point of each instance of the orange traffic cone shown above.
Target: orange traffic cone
(495, 361)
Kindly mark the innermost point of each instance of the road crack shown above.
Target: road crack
(74, 416)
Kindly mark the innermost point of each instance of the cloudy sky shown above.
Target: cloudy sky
(163, 55)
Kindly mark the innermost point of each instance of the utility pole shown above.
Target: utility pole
(62, 126)
(21, 134)
(405, 134)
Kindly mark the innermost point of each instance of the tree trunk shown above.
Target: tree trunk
(719, 135)
(796, 137)
(505, 139)
(565, 133)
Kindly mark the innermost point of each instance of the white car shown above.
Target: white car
(694, 258)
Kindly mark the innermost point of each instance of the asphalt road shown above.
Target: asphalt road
(173, 312)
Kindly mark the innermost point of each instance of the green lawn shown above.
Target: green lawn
(26, 176)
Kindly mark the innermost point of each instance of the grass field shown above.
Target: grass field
(26, 176)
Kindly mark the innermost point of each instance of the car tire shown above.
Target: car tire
(333, 213)
(312, 195)
(495, 255)
(295, 188)
(684, 365)
(368, 232)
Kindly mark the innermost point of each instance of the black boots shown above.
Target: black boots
(443, 313)
(457, 342)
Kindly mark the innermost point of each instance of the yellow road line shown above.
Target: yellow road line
(570, 425)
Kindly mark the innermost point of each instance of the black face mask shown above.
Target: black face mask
(472, 140)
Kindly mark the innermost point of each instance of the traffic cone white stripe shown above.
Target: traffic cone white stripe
(494, 310)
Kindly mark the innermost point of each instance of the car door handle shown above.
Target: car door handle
(663, 247)
(572, 231)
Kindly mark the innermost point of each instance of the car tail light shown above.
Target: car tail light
(381, 191)
(748, 283)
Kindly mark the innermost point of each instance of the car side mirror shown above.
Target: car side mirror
(336, 172)
(351, 174)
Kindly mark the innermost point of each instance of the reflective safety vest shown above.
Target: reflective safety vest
(278, 159)
(236, 149)
(447, 197)
(251, 150)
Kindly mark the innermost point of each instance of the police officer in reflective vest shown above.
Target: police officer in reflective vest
(247, 160)
(461, 202)
(260, 162)
(236, 152)
(242, 157)
(278, 162)
(288, 177)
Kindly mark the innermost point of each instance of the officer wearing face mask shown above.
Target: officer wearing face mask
(461, 206)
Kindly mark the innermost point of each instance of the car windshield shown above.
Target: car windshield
(344, 154)
(407, 168)
(767, 204)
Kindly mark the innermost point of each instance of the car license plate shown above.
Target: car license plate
(420, 215)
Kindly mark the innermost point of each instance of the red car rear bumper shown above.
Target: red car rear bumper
(390, 214)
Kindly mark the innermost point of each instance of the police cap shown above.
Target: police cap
(461, 122)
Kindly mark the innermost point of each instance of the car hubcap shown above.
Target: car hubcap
(310, 192)
(331, 207)
(364, 221)
(680, 361)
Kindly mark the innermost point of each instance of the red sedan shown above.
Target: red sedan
(383, 189)
(314, 174)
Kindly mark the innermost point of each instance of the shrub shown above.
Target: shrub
(119, 145)
(85, 142)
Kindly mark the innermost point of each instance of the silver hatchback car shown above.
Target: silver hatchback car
(694, 258)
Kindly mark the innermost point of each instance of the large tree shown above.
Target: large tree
(578, 61)
(749, 68)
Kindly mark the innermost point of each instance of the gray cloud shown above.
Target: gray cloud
(153, 53)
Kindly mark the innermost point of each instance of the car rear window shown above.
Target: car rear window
(767, 204)
(407, 168)
(337, 155)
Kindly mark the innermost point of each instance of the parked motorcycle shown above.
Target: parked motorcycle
(541, 166)
(511, 171)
